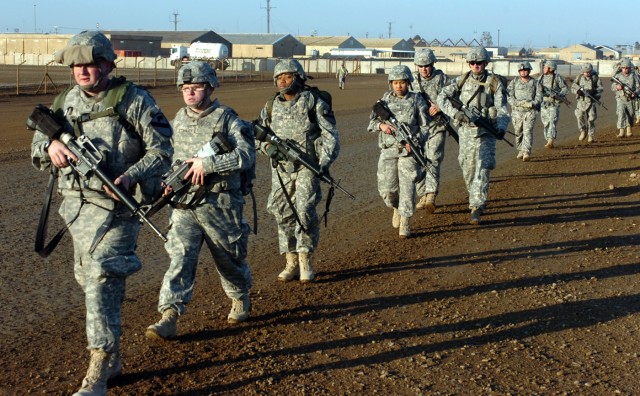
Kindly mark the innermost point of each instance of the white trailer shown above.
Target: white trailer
(215, 54)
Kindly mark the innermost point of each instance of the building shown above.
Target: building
(579, 52)
(390, 48)
(325, 46)
(159, 42)
(268, 45)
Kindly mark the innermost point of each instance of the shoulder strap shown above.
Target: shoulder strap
(463, 80)
(270, 107)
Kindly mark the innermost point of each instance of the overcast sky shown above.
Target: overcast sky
(511, 23)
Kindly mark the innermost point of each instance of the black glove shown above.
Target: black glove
(500, 134)
(580, 93)
(274, 153)
(461, 117)
(591, 92)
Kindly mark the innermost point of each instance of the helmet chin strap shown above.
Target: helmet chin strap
(296, 86)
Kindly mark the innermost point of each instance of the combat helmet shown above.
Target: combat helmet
(551, 64)
(587, 67)
(524, 65)
(289, 66)
(400, 72)
(84, 48)
(478, 54)
(424, 57)
(197, 72)
(626, 62)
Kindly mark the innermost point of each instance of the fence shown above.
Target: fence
(38, 74)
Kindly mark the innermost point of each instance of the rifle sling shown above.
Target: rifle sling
(288, 198)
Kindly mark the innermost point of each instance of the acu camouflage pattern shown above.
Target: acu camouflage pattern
(524, 98)
(217, 218)
(429, 182)
(397, 170)
(291, 120)
(104, 233)
(586, 110)
(624, 104)
(550, 109)
(477, 149)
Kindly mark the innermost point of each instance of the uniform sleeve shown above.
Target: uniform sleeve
(262, 120)
(330, 148)
(500, 102)
(242, 157)
(154, 129)
(563, 88)
(511, 95)
(423, 119)
(447, 92)
(39, 157)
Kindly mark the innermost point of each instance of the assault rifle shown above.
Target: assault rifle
(174, 178)
(477, 119)
(442, 119)
(555, 94)
(295, 154)
(402, 132)
(89, 157)
(628, 91)
(593, 98)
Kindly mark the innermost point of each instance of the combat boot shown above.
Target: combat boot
(520, 154)
(115, 365)
(95, 381)
(549, 144)
(474, 218)
(395, 220)
(621, 133)
(405, 227)
(422, 202)
(629, 134)
(291, 270)
(583, 134)
(591, 139)
(306, 267)
(240, 308)
(431, 203)
(165, 328)
(525, 157)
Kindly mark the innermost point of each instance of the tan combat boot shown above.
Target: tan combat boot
(583, 134)
(474, 218)
(629, 134)
(525, 157)
(405, 227)
(621, 133)
(395, 220)
(591, 139)
(422, 202)
(165, 328)
(240, 308)
(306, 267)
(431, 203)
(95, 382)
(291, 270)
(549, 144)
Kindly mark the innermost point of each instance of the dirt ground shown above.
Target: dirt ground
(541, 299)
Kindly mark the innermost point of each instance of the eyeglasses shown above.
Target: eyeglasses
(473, 63)
(193, 89)
(425, 66)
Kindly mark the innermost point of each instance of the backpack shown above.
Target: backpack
(151, 187)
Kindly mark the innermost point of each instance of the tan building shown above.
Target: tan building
(390, 48)
(38, 44)
(252, 45)
(324, 45)
(579, 52)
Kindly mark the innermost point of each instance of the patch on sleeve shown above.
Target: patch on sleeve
(160, 123)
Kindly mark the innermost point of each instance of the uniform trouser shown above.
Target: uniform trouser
(303, 188)
(477, 157)
(523, 123)
(586, 115)
(549, 114)
(636, 108)
(341, 82)
(397, 175)
(225, 232)
(624, 111)
(104, 255)
(429, 181)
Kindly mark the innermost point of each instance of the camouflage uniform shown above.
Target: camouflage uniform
(586, 110)
(103, 231)
(215, 217)
(398, 171)
(429, 182)
(550, 109)
(341, 75)
(624, 101)
(524, 97)
(477, 155)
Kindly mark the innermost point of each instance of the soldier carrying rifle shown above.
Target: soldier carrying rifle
(554, 90)
(626, 86)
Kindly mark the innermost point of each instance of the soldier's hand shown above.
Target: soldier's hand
(196, 172)
(122, 180)
(461, 117)
(386, 128)
(580, 93)
(60, 154)
(275, 153)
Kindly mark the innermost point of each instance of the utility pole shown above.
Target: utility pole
(175, 21)
(34, 19)
(268, 8)
(390, 29)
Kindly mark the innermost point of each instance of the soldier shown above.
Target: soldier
(585, 86)
(625, 93)
(211, 210)
(135, 142)
(554, 89)
(430, 82)
(303, 117)
(524, 98)
(398, 171)
(637, 101)
(485, 92)
(341, 75)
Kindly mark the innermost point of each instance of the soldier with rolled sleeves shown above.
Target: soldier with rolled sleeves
(524, 97)
(211, 210)
(625, 97)
(485, 92)
(304, 118)
(135, 143)
(554, 88)
(398, 171)
(429, 81)
(585, 85)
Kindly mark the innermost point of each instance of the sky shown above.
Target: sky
(542, 23)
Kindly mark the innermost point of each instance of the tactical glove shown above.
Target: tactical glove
(580, 93)
(501, 133)
(591, 91)
(275, 153)
(461, 117)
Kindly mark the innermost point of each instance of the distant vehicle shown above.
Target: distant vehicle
(215, 54)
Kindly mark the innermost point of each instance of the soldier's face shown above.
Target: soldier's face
(425, 70)
(587, 74)
(625, 71)
(400, 87)
(194, 94)
(547, 70)
(477, 67)
(86, 75)
(524, 72)
(284, 80)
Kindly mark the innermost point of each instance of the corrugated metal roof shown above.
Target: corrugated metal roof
(167, 35)
(254, 38)
(325, 41)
